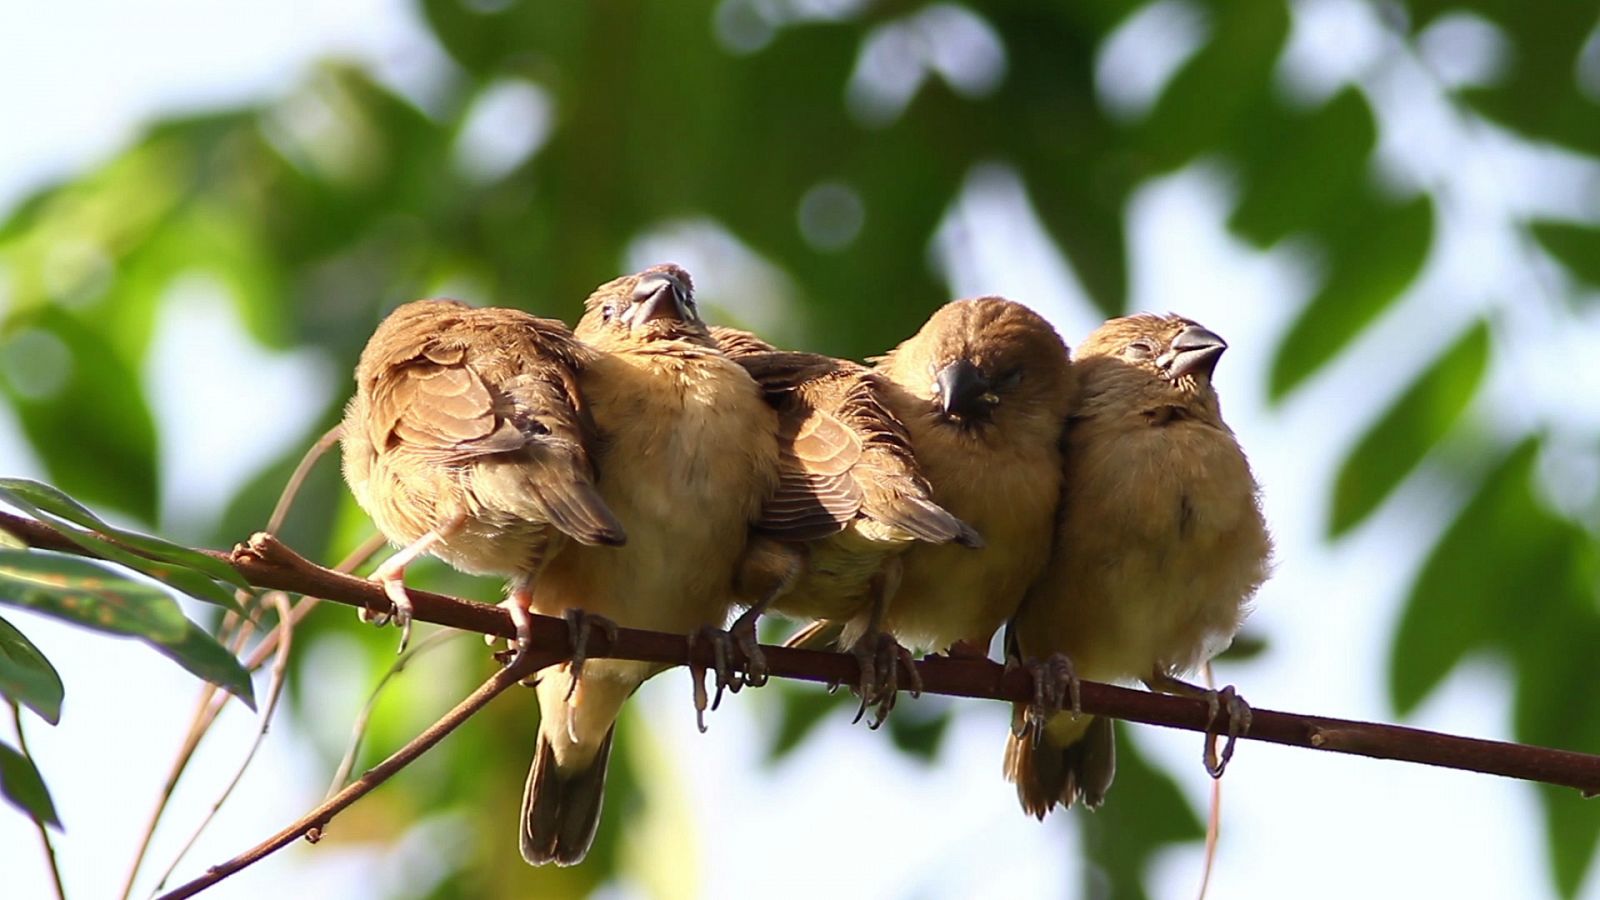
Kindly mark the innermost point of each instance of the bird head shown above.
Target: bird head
(987, 364)
(1165, 359)
(655, 304)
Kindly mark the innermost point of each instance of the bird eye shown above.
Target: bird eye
(1008, 379)
(607, 312)
(1140, 349)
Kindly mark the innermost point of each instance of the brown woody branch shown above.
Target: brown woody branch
(267, 563)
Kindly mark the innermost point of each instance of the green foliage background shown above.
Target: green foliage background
(321, 210)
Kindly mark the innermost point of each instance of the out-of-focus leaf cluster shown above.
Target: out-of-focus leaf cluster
(830, 140)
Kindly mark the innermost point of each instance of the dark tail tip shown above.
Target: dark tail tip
(561, 810)
(1047, 775)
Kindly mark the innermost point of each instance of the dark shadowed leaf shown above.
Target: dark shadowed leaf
(90, 595)
(1304, 167)
(1404, 434)
(1368, 267)
(1214, 90)
(1576, 246)
(26, 677)
(1144, 813)
(24, 788)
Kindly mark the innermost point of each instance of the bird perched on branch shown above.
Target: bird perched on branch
(688, 461)
(839, 443)
(1159, 548)
(467, 438)
(983, 389)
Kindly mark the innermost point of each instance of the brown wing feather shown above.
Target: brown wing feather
(735, 343)
(844, 454)
(495, 391)
(894, 490)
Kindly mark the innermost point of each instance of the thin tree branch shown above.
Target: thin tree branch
(212, 701)
(311, 824)
(44, 830)
(266, 562)
(280, 671)
(358, 731)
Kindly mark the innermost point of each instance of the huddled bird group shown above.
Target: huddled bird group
(647, 470)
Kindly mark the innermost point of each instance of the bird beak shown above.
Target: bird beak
(659, 296)
(963, 391)
(1194, 351)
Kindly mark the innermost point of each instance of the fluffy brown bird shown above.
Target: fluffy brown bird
(689, 455)
(467, 438)
(1160, 546)
(841, 447)
(984, 389)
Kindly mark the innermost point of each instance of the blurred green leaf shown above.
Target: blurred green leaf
(801, 709)
(1216, 88)
(1147, 813)
(82, 409)
(1504, 545)
(1576, 246)
(1411, 426)
(1305, 167)
(90, 595)
(21, 784)
(918, 726)
(38, 496)
(1369, 267)
(1550, 713)
(26, 677)
(1247, 645)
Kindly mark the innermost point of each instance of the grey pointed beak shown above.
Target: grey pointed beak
(1194, 351)
(963, 391)
(659, 296)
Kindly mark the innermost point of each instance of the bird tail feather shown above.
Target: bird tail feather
(561, 809)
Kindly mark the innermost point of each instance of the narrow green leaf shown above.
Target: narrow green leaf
(195, 584)
(45, 497)
(26, 677)
(1369, 267)
(90, 595)
(1576, 246)
(1146, 813)
(21, 784)
(1411, 427)
(1468, 594)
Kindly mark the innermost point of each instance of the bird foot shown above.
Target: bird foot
(743, 632)
(1239, 718)
(721, 648)
(522, 620)
(578, 626)
(1055, 688)
(880, 658)
(394, 587)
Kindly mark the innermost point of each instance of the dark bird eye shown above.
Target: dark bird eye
(1009, 378)
(1140, 349)
(607, 312)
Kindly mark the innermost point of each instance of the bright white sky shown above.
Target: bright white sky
(80, 77)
